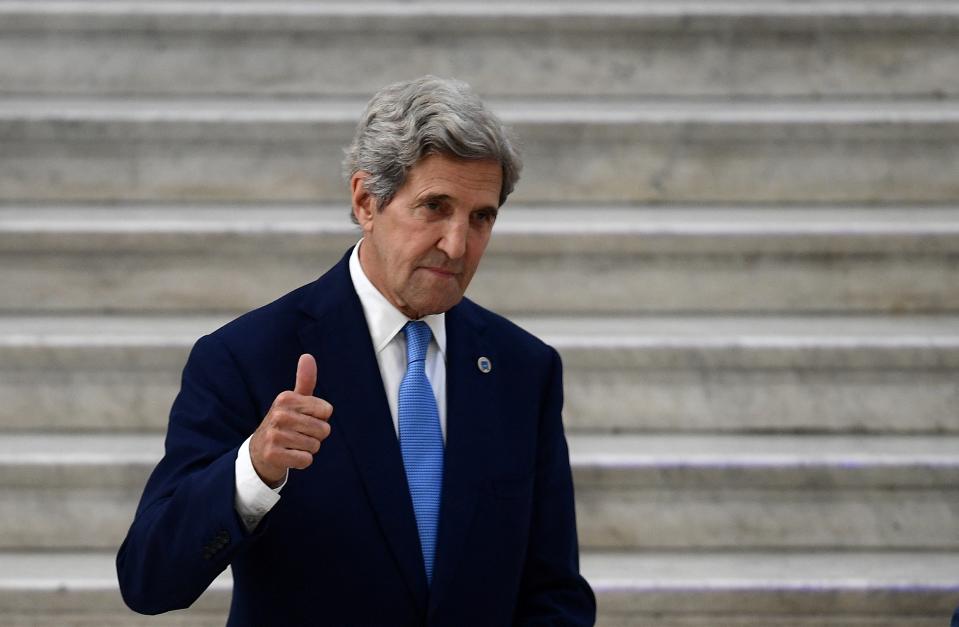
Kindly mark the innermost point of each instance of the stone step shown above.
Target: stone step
(773, 589)
(541, 259)
(633, 492)
(575, 151)
(662, 589)
(718, 492)
(694, 374)
(79, 589)
(772, 48)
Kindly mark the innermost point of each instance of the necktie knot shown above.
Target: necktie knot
(417, 340)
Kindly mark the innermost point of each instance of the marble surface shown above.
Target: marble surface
(676, 152)
(653, 492)
(662, 587)
(649, 49)
(542, 259)
(708, 374)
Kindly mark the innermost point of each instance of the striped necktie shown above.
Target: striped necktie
(421, 440)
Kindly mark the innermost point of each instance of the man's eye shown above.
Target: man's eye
(433, 205)
(484, 216)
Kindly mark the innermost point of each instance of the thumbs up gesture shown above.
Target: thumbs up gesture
(292, 431)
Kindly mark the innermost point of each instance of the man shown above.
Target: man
(417, 472)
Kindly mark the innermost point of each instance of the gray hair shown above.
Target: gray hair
(407, 121)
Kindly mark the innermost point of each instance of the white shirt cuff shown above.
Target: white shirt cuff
(253, 498)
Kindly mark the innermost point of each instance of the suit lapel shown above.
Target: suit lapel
(339, 335)
(471, 398)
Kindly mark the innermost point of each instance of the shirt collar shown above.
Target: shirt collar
(383, 319)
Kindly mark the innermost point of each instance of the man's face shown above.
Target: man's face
(422, 249)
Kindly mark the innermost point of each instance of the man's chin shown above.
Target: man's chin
(437, 306)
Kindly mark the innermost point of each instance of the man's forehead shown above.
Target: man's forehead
(479, 181)
(442, 175)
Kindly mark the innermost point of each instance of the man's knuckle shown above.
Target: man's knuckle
(320, 409)
(280, 418)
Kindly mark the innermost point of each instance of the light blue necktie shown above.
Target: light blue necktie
(421, 440)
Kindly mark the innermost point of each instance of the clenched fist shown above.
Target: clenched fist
(293, 429)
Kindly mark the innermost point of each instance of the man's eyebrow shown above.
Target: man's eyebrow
(446, 198)
(434, 196)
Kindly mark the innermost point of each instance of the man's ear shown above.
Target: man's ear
(364, 204)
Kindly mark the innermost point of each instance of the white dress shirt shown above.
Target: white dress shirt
(253, 498)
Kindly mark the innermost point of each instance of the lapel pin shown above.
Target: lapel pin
(484, 364)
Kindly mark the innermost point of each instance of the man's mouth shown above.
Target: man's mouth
(443, 272)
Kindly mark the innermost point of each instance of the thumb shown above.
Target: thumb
(305, 375)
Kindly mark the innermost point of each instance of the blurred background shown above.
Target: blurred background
(738, 223)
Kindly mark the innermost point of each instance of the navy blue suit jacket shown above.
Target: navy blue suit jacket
(341, 547)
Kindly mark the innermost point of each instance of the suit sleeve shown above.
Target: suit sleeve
(552, 590)
(186, 529)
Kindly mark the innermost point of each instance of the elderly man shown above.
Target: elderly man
(417, 472)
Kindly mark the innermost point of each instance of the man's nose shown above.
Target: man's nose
(453, 242)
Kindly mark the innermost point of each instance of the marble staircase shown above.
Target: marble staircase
(739, 224)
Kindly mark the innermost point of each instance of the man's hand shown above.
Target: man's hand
(292, 431)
